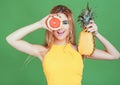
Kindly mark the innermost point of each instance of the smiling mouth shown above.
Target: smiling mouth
(60, 32)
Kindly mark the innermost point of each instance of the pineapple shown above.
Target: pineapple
(86, 43)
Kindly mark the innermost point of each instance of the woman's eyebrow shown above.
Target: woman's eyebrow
(64, 21)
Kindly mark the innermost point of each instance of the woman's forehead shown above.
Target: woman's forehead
(62, 16)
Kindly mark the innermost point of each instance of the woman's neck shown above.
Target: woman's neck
(60, 42)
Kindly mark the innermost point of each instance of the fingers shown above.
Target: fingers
(43, 22)
(92, 27)
(91, 21)
(52, 15)
(91, 30)
(90, 24)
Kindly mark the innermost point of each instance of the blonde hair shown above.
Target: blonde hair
(68, 13)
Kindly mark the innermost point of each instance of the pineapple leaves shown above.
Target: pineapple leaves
(85, 16)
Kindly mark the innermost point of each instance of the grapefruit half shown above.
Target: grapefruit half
(54, 22)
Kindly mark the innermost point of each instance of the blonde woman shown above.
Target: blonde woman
(62, 63)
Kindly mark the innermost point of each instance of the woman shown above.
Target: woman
(62, 64)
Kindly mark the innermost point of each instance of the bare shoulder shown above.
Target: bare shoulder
(75, 47)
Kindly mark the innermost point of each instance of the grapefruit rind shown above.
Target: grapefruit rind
(54, 22)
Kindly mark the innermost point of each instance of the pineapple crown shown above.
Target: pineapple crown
(85, 16)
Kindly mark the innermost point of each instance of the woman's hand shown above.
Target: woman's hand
(92, 27)
(43, 22)
(110, 52)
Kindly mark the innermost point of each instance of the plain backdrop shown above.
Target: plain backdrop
(14, 14)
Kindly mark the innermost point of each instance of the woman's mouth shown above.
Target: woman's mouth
(60, 32)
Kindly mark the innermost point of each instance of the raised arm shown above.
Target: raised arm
(110, 52)
(15, 39)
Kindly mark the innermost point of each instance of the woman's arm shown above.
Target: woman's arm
(15, 39)
(110, 51)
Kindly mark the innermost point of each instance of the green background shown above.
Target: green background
(15, 14)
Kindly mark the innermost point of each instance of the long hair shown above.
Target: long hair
(71, 37)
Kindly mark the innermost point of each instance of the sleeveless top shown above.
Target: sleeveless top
(63, 65)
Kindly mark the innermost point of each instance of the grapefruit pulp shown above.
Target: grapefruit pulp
(54, 23)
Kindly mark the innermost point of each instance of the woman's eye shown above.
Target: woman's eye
(65, 22)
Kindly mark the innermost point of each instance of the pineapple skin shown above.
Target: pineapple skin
(86, 44)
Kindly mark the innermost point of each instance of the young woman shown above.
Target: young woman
(62, 63)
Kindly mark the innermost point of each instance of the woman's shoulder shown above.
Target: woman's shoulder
(75, 47)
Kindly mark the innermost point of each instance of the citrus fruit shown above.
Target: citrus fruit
(54, 22)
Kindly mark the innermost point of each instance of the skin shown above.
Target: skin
(61, 34)
(15, 40)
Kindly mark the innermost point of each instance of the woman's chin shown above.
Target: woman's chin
(61, 38)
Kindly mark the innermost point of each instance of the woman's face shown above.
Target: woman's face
(62, 33)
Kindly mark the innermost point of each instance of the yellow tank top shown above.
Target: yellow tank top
(63, 65)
